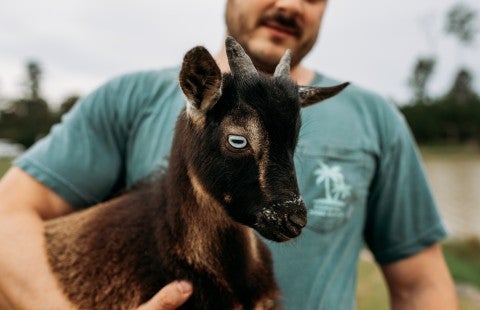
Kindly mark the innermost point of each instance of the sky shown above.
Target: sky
(80, 44)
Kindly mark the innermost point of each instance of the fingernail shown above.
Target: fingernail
(184, 287)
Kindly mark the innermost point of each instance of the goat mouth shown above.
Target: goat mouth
(279, 235)
(279, 227)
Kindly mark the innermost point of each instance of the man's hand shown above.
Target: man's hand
(170, 297)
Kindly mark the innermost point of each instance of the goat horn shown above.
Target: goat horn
(240, 64)
(283, 67)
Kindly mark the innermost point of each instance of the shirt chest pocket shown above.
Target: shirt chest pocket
(334, 184)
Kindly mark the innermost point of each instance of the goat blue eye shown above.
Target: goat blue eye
(238, 142)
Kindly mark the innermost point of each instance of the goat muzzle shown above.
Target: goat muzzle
(282, 221)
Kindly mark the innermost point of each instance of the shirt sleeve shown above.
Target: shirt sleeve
(82, 158)
(402, 218)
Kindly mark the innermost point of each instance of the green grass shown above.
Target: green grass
(372, 292)
(4, 165)
(463, 259)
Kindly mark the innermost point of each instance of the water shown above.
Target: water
(456, 185)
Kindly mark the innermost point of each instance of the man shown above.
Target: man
(358, 172)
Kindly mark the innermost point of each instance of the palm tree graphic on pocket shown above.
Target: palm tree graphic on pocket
(336, 191)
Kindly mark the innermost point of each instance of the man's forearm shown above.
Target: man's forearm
(26, 281)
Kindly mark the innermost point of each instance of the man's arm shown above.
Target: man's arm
(421, 281)
(26, 281)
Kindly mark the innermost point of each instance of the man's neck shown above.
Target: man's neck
(300, 74)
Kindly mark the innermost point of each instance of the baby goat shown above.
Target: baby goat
(231, 169)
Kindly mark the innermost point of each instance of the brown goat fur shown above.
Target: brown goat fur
(104, 261)
(231, 171)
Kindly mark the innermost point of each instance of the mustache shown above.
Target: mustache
(283, 19)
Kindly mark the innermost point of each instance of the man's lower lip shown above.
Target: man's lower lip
(279, 32)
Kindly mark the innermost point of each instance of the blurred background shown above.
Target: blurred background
(422, 55)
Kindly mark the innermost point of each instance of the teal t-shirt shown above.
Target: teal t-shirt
(358, 171)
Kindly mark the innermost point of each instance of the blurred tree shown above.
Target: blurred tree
(461, 106)
(34, 74)
(422, 72)
(68, 103)
(423, 121)
(455, 116)
(25, 120)
(461, 22)
(462, 90)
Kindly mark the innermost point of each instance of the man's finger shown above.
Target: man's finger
(170, 297)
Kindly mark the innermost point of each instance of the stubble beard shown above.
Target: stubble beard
(261, 52)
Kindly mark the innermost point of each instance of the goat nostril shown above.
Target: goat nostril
(298, 220)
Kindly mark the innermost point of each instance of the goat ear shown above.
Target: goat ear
(200, 81)
(313, 94)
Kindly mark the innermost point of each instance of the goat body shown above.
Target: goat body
(231, 171)
(119, 254)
